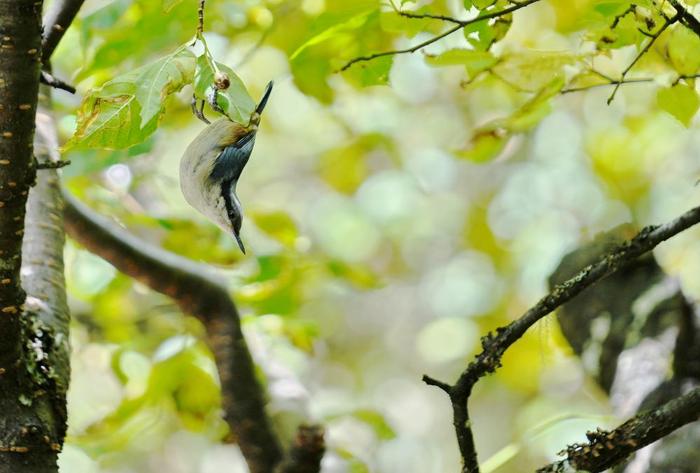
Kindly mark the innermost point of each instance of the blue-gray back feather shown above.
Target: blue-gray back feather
(230, 163)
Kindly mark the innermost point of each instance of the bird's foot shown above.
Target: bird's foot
(198, 110)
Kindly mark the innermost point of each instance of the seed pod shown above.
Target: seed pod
(221, 81)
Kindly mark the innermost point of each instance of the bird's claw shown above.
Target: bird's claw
(199, 110)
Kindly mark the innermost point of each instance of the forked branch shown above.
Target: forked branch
(494, 345)
(460, 24)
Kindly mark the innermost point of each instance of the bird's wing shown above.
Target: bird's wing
(233, 158)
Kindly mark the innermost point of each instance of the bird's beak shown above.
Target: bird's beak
(263, 101)
(240, 243)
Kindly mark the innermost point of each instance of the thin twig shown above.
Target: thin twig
(644, 50)
(437, 383)
(461, 24)
(429, 16)
(495, 344)
(53, 164)
(48, 79)
(200, 18)
(616, 21)
(614, 82)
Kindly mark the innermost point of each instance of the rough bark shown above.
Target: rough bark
(607, 448)
(20, 42)
(495, 344)
(34, 346)
(635, 323)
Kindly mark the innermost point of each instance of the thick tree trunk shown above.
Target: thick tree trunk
(33, 312)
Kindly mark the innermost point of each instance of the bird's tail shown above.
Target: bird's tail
(263, 101)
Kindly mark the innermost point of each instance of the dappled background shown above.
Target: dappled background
(382, 244)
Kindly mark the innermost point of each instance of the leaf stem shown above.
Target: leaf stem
(199, 36)
(208, 55)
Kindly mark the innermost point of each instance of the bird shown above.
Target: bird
(211, 167)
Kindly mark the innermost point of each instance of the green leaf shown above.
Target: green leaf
(680, 101)
(273, 289)
(391, 22)
(534, 110)
(683, 46)
(358, 275)
(278, 225)
(125, 110)
(481, 4)
(110, 118)
(310, 71)
(531, 71)
(235, 101)
(626, 32)
(368, 73)
(348, 24)
(102, 19)
(377, 422)
(480, 35)
(474, 61)
(345, 167)
(611, 8)
(484, 146)
(128, 34)
(365, 40)
(489, 140)
(357, 466)
(161, 78)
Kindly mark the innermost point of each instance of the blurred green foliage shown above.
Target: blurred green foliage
(396, 211)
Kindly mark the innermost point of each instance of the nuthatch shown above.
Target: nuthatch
(212, 165)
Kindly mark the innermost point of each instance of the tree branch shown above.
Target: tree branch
(48, 79)
(33, 346)
(607, 448)
(610, 82)
(200, 18)
(460, 24)
(19, 69)
(495, 345)
(198, 292)
(57, 164)
(429, 16)
(56, 22)
(644, 50)
(687, 18)
(46, 317)
(306, 452)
